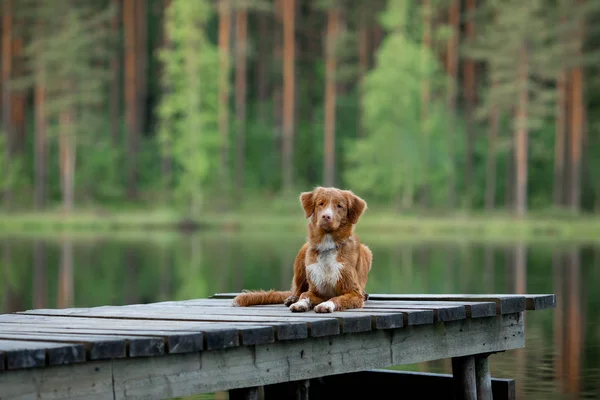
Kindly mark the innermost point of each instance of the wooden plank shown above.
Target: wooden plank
(2, 362)
(317, 326)
(428, 385)
(194, 373)
(463, 370)
(383, 319)
(22, 354)
(473, 309)
(506, 303)
(174, 341)
(350, 321)
(283, 330)
(98, 348)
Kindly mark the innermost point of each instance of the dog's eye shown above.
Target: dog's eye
(320, 203)
(340, 206)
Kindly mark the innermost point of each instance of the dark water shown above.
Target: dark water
(562, 354)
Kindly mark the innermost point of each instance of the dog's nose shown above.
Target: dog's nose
(326, 217)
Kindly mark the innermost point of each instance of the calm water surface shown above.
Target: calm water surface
(562, 355)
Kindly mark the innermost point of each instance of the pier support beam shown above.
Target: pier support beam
(483, 377)
(463, 370)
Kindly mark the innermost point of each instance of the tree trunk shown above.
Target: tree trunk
(7, 58)
(141, 32)
(41, 141)
(67, 148)
(521, 135)
(224, 62)
(363, 57)
(452, 68)
(289, 78)
(490, 181)
(131, 81)
(241, 23)
(469, 91)
(559, 140)
(576, 134)
(19, 98)
(425, 95)
(166, 161)
(261, 68)
(115, 84)
(330, 95)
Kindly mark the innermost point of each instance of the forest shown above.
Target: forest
(203, 105)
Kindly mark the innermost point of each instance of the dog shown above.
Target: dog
(331, 269)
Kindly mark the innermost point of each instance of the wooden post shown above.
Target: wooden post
(302, 389)
(249, 393)
(463, 369)
(483, 377)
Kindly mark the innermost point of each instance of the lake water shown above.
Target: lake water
(562, 354)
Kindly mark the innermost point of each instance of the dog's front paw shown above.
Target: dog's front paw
(326, 307)
(290, 300)
(300, 306)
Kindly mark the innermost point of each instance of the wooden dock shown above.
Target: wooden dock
(171, 349)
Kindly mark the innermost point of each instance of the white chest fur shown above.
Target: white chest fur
(325, 273)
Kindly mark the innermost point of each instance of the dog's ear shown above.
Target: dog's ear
(308, 203)
(356, 206)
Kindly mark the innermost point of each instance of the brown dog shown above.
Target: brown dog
(332, 267)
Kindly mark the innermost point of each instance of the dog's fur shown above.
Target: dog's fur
(331, 268)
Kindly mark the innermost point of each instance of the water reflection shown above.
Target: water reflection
(561, 358)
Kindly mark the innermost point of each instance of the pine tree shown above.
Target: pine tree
(189, 113)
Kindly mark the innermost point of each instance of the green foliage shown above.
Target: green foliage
(401, 153)
(188, 111)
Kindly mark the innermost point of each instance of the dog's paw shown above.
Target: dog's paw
(300, 306)
(290, 300)
(326, 307)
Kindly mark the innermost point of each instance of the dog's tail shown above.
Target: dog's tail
(260, 297)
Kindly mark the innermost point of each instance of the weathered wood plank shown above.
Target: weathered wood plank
(382, 319)
(90, 380)
(350, 321)
(465, 386)
(175, 341)
(22, 354)
(283, 330)
(507, 303)
(317, 327)
(428, 385)
(185, 374)
(452, 310)
(97, 348)
(473, 309)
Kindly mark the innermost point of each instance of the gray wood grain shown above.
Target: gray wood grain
(283, 330)
(23, 354)
(507, 303)
(174, 341)
(248, 366)
(318, 326)
(97, 348)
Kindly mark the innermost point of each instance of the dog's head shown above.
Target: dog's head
(331, 208)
